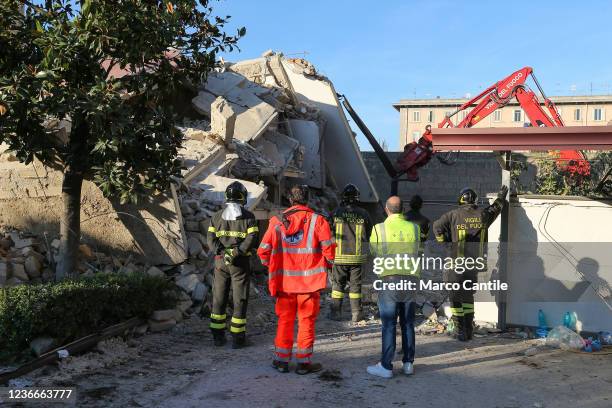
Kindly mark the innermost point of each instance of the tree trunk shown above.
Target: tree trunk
(70, 224)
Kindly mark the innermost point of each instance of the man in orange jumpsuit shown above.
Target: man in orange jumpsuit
(298, 249)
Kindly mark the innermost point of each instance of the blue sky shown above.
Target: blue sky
(378, 52)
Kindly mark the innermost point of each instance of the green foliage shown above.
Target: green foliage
(59, 60)
(551, 181)
(74, 308)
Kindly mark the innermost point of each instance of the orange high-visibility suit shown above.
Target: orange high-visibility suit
(297, 251)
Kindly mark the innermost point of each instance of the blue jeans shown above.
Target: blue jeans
(389, 312)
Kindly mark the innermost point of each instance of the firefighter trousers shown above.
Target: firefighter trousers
(236, 277)
(341, 274)
(306, 307)
(462, 300)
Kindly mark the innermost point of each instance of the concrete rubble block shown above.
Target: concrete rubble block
(33, 266)
(307, 133)
(188, 282)
(213, 190)
(277, 147)
(184, 305)
(222, 119)
(194, 246)
(186, 269)
(41, 345)
(19, 272)
(141, 330)
(199, 292)
(155, 271)
(161, 315)
(220, 83)
(202, 103)
(86, 251)
(253, 114)
(6, 243)
(21, 243)
(3, 273)
(192, 226)
(155, 326)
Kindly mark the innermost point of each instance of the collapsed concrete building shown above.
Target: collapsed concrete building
(270, 122)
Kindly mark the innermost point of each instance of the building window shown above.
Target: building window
(597, 114)
(518, 116)
(577, 114)
(416, 135)
(416, 116)
(497, 116)
(430, 116)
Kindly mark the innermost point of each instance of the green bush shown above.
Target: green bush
(71, 309)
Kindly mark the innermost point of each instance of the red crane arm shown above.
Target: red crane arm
(417, 154)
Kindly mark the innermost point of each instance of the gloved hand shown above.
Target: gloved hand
(503, 193)
(229, 255)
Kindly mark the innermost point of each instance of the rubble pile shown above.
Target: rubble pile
(22, 260)
(269, 122)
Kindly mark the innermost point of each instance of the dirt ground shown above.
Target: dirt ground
(181, 368)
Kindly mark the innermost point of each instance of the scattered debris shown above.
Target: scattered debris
(331, 375)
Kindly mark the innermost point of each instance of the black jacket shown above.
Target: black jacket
(421, 220)
(351, 228)
(466, 227)
(241, 233)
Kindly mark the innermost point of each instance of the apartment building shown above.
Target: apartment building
(415, 114)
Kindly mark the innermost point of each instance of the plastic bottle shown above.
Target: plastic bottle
(541, 319)
(542, 331)
(567, 320)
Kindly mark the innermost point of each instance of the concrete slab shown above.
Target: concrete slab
(341, 153)
(308, 134)
(202, 102)
(213, 190)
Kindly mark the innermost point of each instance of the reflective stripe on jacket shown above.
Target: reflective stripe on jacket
(396, 236)
(297, 251)
(352, 228)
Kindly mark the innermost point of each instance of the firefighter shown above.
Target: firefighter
(298, 249)
(414, 215)
(465, 229)
(232, 235)
(352, 227)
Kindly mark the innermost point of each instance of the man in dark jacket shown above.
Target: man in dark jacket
(232, 235)
(465, 229)
(351, 227)
(414, 215)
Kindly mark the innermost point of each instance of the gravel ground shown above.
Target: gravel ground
(181, 368)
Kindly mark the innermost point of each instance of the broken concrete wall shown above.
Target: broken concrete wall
(559, 262)
(341, 152)
(30, 200)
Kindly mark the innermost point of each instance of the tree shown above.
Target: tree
(108, 68)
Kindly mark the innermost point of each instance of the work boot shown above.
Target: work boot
(239, 340)
(307, 368)
(469, 326)
(356, 311)
(335, 310)
(280, 366)
(219, 339)
(459, 332)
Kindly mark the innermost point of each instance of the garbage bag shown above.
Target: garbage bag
(564, 338)
(605, 337)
